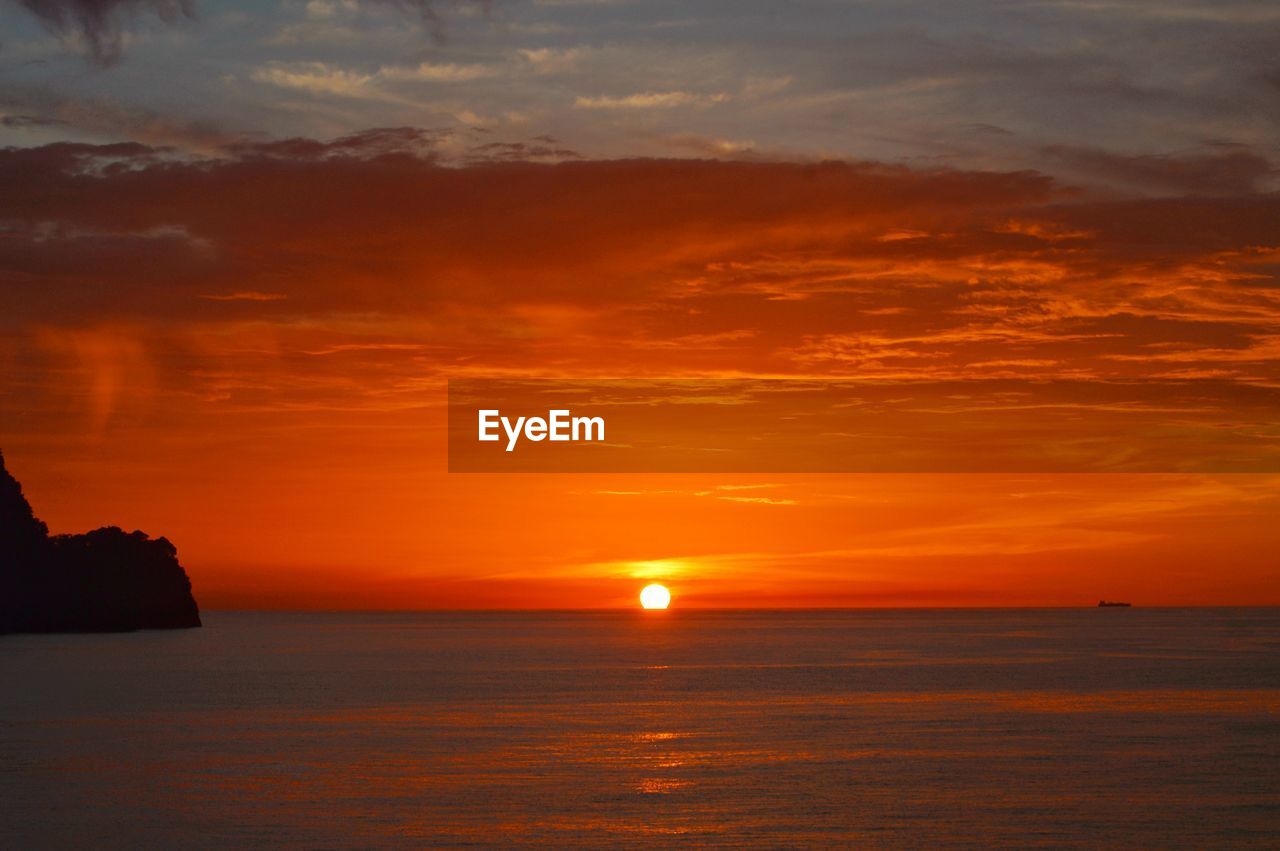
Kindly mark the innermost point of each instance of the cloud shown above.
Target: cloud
(447, 72)
(250, 295)
(30, 121)
(103, 117)
(415, 143)
(386, 84)
(316, 78)
(413, 267)
(428, 11)
(711, 147)
(103, 368)
(553, 60)
(100, 23)
(520, 152)
(1227, 173)
(649, 100)
(758, 500)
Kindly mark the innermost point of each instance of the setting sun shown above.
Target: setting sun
(655, 597)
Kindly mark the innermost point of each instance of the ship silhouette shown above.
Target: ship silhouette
(1106, 604)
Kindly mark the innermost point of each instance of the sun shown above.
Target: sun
(655, 597)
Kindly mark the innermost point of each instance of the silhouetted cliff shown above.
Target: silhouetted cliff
(107, 580)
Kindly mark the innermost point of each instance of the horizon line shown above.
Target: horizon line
(590, 609)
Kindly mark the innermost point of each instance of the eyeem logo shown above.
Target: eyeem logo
(809, 425)
(559, 425)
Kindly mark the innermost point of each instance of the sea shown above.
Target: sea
(1027, 728)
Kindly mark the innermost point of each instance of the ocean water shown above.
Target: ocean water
(1054, 728)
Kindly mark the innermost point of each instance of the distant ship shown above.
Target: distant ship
(1104, 604)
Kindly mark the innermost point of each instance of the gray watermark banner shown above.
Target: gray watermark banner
(850, 426)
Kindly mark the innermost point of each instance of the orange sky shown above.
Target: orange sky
(249, 354)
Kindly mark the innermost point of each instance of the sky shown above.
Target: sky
(244, 246)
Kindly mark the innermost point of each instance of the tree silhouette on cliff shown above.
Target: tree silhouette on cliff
(107, 580)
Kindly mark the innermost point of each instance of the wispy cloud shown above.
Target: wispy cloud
(247, 295)
(649, 100)
(317, 78)
(446, 72)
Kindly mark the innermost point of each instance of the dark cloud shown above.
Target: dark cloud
(429, 11)
(101, 22)
(415, 142)
(104, 118)
(520, 151)
(30, 121)
(373, 248)
(1230, 173)
(380, 206)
